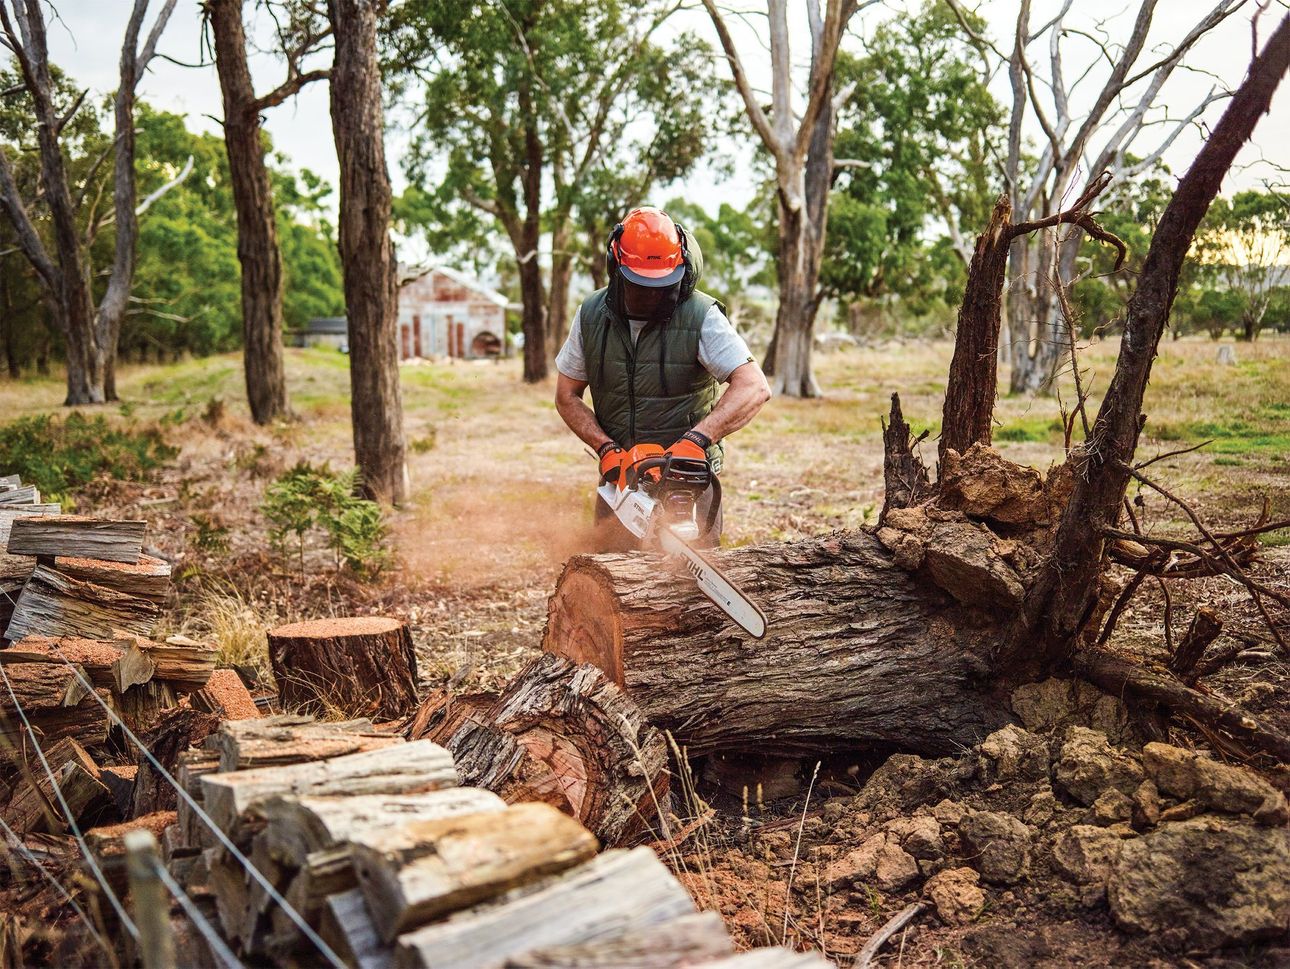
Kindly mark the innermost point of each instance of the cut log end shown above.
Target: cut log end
(583, 617)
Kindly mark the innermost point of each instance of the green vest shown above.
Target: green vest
(654, 392)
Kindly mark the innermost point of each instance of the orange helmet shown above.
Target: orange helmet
(648, 248)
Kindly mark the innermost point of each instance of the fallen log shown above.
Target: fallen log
(565, 735)
(75, 536)
(415, 873)
(359, 666)
(858, 651)
(614, 893)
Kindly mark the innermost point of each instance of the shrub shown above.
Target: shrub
(59, 456)
(308, 499)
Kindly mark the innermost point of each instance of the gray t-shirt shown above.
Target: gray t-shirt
(721, 349)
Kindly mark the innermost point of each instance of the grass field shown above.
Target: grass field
(501, 489)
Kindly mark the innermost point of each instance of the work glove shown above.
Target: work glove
(692, 445)
(611, 461)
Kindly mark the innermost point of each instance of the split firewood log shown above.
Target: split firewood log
(225, 696)
(614, 893)
(292, 739)
(415, 873)
(56, 703)
(76, 536)
(177, 731)
(148, 578)
(357, 666)
(689, 940)
(54, 604)
(33, 806)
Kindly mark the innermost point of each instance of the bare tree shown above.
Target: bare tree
(301, 32)
(366, 251)
(91, 332)
(1076, 148)
(802, 150)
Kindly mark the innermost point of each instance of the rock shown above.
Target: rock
(948, 812)
(1085, 854)
(982, 484)
(1212, 881)
(962, 559)
(1146, 804)
(997, 844)
(1043, 809)
(1220, 787)
(920, 836)
(956, 895)
(1112, 807)
(1054, 704)
(1181, 812)
(879, 860)
(905, 781)
(906, 549)
(1087, 766)
(1012, 753)
(896, 868)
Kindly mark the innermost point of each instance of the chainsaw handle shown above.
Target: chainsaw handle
(635, 471)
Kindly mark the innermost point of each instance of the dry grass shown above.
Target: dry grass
(235, 628)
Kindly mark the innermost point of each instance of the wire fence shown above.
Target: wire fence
(208, 932)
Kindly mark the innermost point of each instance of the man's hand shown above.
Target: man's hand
(692, 445)
(611, 461)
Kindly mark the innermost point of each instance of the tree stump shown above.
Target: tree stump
(360, 666)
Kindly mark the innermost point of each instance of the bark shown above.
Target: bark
(525, 237)
(77, 537)
(905, 481)
(970, 391)
(257, 231)
(357, 667)
(557, 315)
(367, 253)
(858, 652)
(1059, 605)
(182, 729)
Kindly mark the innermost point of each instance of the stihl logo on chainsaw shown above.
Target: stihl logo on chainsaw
(656, 499)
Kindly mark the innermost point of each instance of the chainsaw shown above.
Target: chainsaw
(655, 497)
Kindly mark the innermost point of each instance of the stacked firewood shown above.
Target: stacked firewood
(78, 600)
(369, 840)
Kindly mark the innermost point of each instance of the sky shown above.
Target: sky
(85, 42)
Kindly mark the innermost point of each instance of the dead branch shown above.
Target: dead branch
(1117, 676)
(1203, 630)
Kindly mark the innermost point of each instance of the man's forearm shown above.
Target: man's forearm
(737, 406)
(581, 419)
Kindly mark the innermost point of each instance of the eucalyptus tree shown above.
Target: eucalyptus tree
(302, 31)
(520, 113)
(800, 144)
(1099, 105)
(90, 331)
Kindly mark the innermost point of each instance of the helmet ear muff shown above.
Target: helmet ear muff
(685, 253)
(611, 255)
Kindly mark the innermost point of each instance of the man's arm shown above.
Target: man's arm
(740, 403)
(580, 418)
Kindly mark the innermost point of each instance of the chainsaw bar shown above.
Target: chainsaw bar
(713, 584)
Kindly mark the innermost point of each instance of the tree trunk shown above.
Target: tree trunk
(257, 232)
(801, 248)
(367, 254)
(1058, 608)
(857, 652)
(557, 316)
(968, 415)
(357, 667)
(533, 321)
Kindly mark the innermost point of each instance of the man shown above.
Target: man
(653, 350)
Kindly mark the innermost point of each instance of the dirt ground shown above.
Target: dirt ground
(502, 495)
